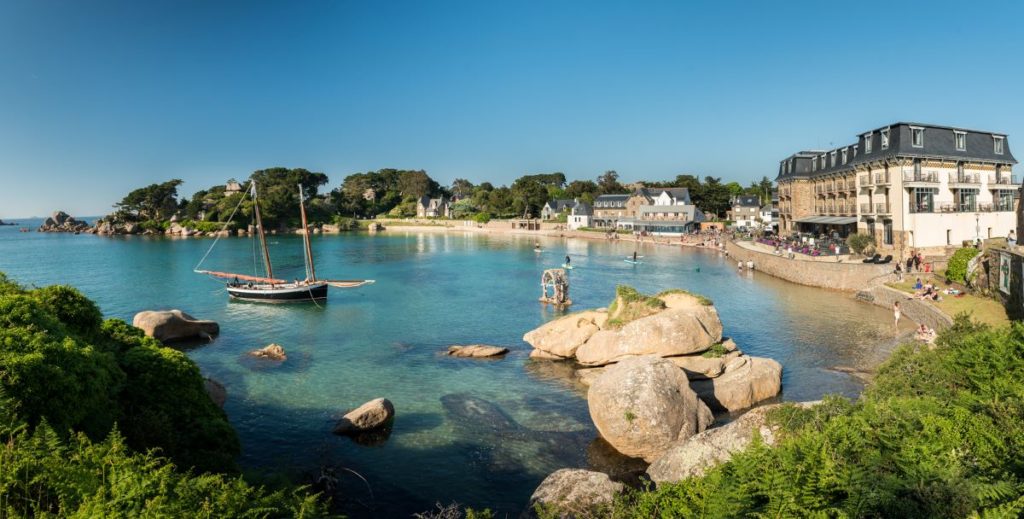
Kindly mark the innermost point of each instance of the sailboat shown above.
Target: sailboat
(267, 288)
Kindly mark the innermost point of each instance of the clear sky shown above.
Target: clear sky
(100, 97)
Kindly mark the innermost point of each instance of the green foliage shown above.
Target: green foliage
(629, 305)
(715, 351)
(153, 202)
(482, 218)
(956, 269)
(859, 241)
(64, 366)
(43, 474)
(940, 433)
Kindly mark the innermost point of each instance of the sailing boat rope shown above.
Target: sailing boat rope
(221, 233)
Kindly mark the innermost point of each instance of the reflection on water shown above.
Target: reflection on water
(507, 423)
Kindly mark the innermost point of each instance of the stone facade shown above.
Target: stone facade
(825, 273)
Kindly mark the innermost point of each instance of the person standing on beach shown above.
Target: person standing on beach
(896, 314)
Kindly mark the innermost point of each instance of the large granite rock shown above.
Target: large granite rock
(174, 325)
(568, 493)
(746, 382)
(62, 222)
(560, 338)
(671, 332)
(476, 351)
(691, 457)
(643, 404)
(375, 414)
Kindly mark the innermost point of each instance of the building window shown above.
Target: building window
(967, 200)
(885, 138)
(961, 140)
(833, 159)
(1005, 201)
(917, 137)
(997, 142)
(867, 143)
(855, 151)
(844, 155)
(814, 165)
(887, 232)
(924, 200)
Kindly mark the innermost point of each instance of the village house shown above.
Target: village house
(579, 216)
(433, 208)
(553, 208)
(653, 210)
(746, 210)
(911, 186)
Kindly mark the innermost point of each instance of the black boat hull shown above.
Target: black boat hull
(279, 294)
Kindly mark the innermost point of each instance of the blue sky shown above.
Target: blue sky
(100, 97)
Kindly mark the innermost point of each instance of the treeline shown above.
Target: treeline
(97, 420)
(395, 193)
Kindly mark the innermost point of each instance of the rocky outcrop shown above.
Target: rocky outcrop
(562, 337)
(373, 415)
(216, 390)
(476, 351)
(693, 456)
(62, 222)
(643, 404)
(270, 352)
(669, 325)
(375, 227)
(174, 325)
(570, 493)
(746, 382)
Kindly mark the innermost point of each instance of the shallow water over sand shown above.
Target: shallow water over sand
(480, 432)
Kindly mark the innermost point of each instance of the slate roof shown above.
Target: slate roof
(678, 193)
(612, 200)
(748, 201)
(560, 205)
(939, 143)
(582, 209)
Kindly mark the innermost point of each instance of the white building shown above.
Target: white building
(580, 216)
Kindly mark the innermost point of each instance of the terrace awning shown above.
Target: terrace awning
(829, 220)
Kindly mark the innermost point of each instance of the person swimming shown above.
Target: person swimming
(568, 260)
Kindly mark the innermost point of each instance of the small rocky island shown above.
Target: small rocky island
(657, 368)
(63, 222)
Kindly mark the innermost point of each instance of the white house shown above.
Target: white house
(580, 216)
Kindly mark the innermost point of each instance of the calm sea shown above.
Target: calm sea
(386, 339)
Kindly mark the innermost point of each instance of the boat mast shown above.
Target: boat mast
(310, 270)
(263, 237)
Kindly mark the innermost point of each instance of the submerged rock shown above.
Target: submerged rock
(270, 352)
(216, 390)
(572, 493)
(644, 404)
(476, 351)
(375, 414)
(174, 325)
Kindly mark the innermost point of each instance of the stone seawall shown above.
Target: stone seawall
(916, 310)
(816, 273)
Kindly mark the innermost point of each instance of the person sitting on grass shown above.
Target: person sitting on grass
(918, 286)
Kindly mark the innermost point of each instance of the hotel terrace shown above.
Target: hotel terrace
(909, 185)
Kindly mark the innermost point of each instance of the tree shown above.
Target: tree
(278, 190)
(153, 202)
(735, 189)
(529, 194)
(581, 189)
(688, 181)
(608, 183)
(462, 188)
(712, 197)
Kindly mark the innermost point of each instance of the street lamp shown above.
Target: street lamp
(977, 228)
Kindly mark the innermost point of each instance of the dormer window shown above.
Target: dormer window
(844, 155)
(961, 140)
(814, 165)
(885, 138)
(916, 137)
(867, 142)
(833, 159)
(855, 150)
(998, 142)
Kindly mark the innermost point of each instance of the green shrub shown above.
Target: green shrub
(715, 351)
(939, 433)
(64, 366)
(345, 224)
(858, 242)
(482, 218)
(956, 269)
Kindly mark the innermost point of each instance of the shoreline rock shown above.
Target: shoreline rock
(174, 325)
(643, 404)
(572, 493)
(63, 222)
(373, 415)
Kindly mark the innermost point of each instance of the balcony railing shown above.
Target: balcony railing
(865, 180)
(929, 177)
(959, 208)
(881, 178)
(851, 208)
(881, 208)
(965, 178)
(866, 209)
(1005, 179)
(922, 208)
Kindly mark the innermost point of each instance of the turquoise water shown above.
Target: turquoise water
(434, 290)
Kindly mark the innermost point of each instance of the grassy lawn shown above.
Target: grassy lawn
(982, 309)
